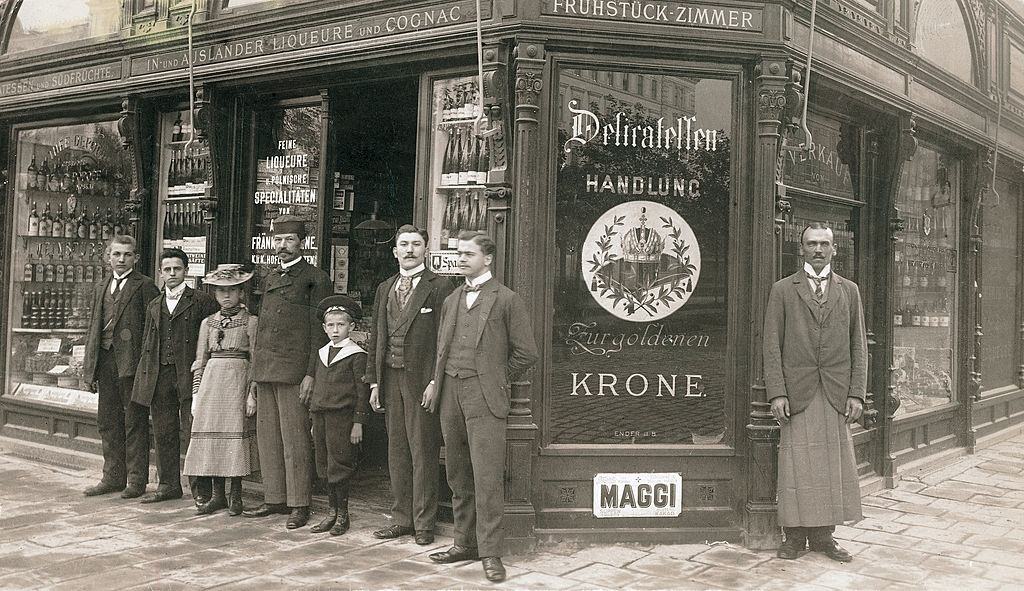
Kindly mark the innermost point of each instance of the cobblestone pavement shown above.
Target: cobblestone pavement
(960, 526)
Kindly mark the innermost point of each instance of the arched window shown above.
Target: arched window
(942, 38)
(43, 23)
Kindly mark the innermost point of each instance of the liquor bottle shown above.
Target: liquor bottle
(82, 225)
(50, 270)
(70, 229)
(944, 318)
(463, 161)
(28, 314)
(45, 222)
(59, 271)
(176, 134)
(118, 225)
(446, 160)
(483, 162)
(79, 274)
(915, 316)
(472, 155)
(57, 225)
(39, 269)
(88, 274)
(107, 229)
(33, 221)
(168, 230)
(33, 174)
(44, 176)
(26, 274)
(94, 225)
(26, 306)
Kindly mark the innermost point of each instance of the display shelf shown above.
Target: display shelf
(50, 330)
(461, 187)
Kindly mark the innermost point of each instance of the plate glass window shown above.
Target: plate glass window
(42, 23)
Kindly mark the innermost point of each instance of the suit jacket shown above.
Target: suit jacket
(339, 383)
(807, 350)
(289, 331)
(423, 315)
(193, 307)
(129, 318)
(505, 346)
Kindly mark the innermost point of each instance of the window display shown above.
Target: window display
(461, 164)
(70, 184)
(183, 180)
(926, 267)
(641, 282)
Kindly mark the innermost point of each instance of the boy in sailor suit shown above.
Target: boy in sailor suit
(339, 406)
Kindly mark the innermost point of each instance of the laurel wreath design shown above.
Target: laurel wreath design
(644, 297)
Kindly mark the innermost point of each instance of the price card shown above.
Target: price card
(58, 369)
(78, 353)
(49, 346)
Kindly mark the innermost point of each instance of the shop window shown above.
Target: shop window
(1017, 69)
(942, 38)
(40, 23)
(1000, 358)
(840, 218)
(926, 267)
(69, 191)
(641, 285)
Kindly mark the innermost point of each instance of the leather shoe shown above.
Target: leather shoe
(298, 517)
(455, 554)
(494, 570)
(161, 494)
(103, 488)
(267, 509)
(789, 549)
(424, 537)
(133, 491)
(393, 531)
(833, 551)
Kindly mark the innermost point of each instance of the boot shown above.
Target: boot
(796, 542)
(332, 514)
(235, 497)
(217, 501)
(341, 492)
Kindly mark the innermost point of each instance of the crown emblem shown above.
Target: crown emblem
(642, 244)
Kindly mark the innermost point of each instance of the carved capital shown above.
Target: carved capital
(203, 115)
(908, 137)
(529, 80)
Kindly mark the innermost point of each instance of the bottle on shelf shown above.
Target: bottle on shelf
(483, 163)
(463, 161)
(44, 176)
(32, 176)
(70, 229)
(27, 273)
(88, 273)
(57, 224)
(82, 224)
(45, 222)
(118, 223)
(26, 306)
(107, 227)
(59, 272)
(446, 161)
(33, 221)
(176, 133)
(94, 225)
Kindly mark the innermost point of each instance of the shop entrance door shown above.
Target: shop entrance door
(345, 164)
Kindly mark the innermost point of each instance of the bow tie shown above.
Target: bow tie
(817, 279)
(174, 296)
(283, 270)
(473, 288)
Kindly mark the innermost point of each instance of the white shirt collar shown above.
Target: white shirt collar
(118, 278)
(418, 269)
(480, 280)
(291, 263)
(174, 293)
(824, 272)
(344, 343)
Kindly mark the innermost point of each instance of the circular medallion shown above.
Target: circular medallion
(641, 261)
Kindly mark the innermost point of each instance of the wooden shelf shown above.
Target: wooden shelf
(50, 330)
(461, 187)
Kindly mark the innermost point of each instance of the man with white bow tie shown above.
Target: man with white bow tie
(406, 312)
(486, 341)
(288, 335)
(112, 350)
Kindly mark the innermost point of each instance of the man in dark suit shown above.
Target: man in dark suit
(485, 340)
(288, 336)
(111, 356)
(815, 367)
(402, 350)
(163, 383)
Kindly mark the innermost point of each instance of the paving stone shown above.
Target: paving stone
(1004, 467)
(717, 577)
(658, 583)
(166, 585)
(917, 509)
(666, 567)
(880, 502)
(1004, 574)
(1000, 557)
(995, 501)
(931, 533)
(607, 576)
(732, 557)
(616, 555)
(908, 573)
(890, 526)
(680, 551)
(848, 580)
(101, 581)
(925, 520)
(556, 565)
(262, 583)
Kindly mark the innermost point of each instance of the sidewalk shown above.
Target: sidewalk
(959, 527)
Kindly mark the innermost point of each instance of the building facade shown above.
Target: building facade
(645, 167)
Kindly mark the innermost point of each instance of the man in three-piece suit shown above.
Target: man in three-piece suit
(815, 367)
(288, 336)
(163, 382)
(485, 341)
(112, 349)
(402, 351)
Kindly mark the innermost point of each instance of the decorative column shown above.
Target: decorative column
(525, 248)
(134, 142)
(876, 309)
(982, 188)
(902, 148)
(210, 130)
(768, 207)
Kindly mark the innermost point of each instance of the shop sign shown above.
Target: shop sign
(325, 35)
(638, 495)
(64, 79)
(56, 395)
(445, 262)
(819, 169)
(680, 14)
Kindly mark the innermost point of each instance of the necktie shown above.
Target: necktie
(819, 292)
(331, 352)
(472, 288)
(118, 284)
(404, 289)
